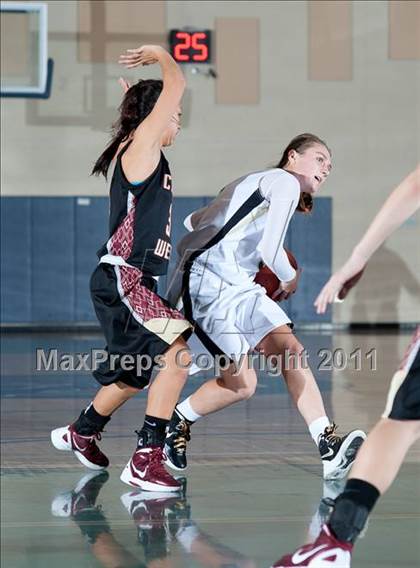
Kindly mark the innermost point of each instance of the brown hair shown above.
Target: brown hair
(137, 104)
(300, 144)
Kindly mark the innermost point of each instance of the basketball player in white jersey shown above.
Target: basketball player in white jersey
(244, 226)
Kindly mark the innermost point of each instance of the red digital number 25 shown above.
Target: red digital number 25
(189, 41)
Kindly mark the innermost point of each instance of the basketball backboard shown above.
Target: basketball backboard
(25, 68)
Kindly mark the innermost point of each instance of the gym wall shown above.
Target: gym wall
(347, 71)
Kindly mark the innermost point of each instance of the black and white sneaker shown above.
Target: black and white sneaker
(339, 452)
(177, 436)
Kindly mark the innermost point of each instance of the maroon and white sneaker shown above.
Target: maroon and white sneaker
(325, 552)
(149, 508)
(84, 447)
(147, 471)
(82, 497)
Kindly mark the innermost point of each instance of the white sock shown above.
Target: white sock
(187, 410)
(317, 427)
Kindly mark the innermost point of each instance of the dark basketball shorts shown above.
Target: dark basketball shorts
(403, 401)
(136, 322)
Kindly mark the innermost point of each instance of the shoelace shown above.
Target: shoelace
(92, 439)
(330, 435)
(156, 463)
(95, 449)
(181, 437)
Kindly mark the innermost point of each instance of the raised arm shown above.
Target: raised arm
(147, 138)
(173, 88)
(400, 205)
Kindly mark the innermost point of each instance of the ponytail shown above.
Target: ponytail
(137, 104)
(306, 203)
(104, 161)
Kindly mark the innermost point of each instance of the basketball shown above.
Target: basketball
(268, 280)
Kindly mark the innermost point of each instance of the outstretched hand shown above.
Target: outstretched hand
(144, 55)
(332, 288)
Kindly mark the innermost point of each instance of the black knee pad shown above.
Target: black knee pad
(348, 519)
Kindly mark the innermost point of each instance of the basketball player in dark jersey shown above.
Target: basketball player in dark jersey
(381, 456)
(134, 319)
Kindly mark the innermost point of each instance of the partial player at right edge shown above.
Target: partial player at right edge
(380, 458)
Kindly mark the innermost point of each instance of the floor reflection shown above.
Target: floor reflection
(166, 531)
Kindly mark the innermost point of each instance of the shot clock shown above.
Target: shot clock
(190, 46)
